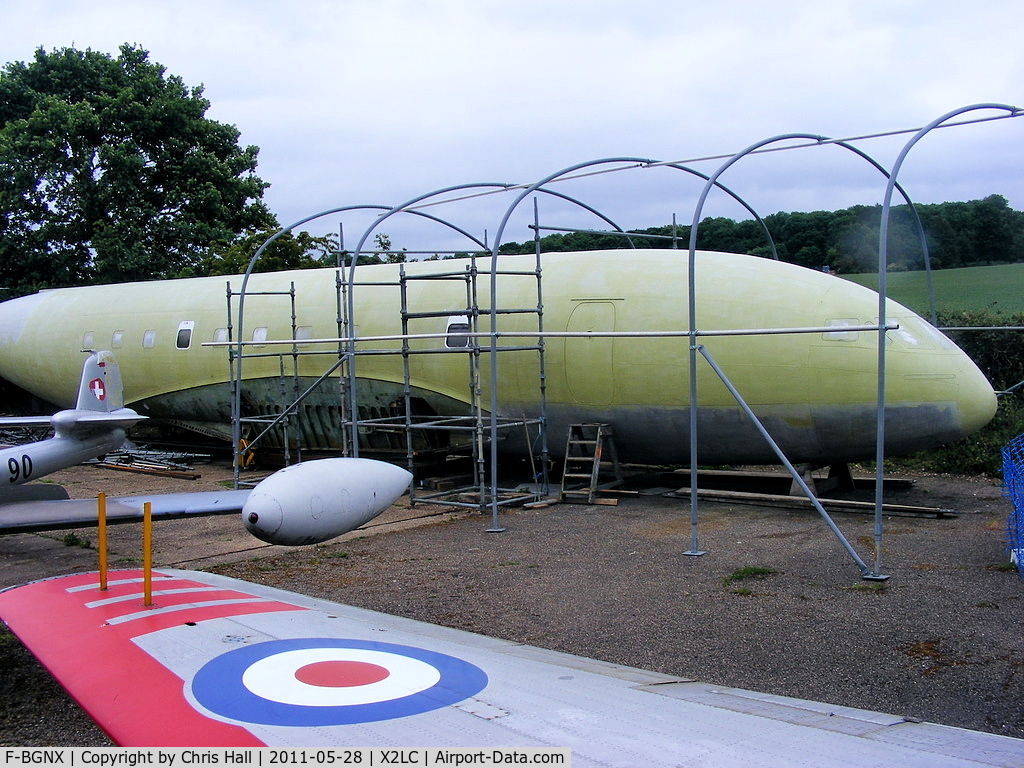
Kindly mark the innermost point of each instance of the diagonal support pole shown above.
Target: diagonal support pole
(865, 570)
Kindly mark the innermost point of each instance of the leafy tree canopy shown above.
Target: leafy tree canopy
(289, 251)
(958, 234)
(110, 172)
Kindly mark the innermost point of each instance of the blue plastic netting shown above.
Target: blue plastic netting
(1013, 487)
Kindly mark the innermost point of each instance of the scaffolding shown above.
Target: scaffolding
(462, 336)
(407, 429)
(261, 424)
(281, 423)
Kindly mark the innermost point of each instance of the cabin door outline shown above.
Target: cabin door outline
(590, 362)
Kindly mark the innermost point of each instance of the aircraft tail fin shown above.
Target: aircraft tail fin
(101, 388)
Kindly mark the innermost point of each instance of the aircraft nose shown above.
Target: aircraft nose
(948, 396)
(977, 402)
(262, 515)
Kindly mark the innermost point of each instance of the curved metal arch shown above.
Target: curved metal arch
(695, 348)
(635, 161)
(883, 254)
(887, 200)
(237, 351)
(917, 221)
(405, 207)
(259, 251)
(589, 209)
(493, 351)
(880, 411)
(694, 172)
(236, 407)
(734, 196)
(678, 167)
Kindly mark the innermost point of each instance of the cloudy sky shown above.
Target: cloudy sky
(378, 101)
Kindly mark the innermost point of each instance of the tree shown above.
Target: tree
(994, 226)
(289, 251)
(385, 253)
(110, 172)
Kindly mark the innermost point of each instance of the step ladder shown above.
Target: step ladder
(591, 463)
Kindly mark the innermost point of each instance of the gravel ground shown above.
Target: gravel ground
(939, 641)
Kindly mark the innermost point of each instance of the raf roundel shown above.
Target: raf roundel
(330, 681)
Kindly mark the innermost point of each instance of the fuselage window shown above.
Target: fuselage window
(87, 340)
(184, 338)
(304, 332)
(117, 339)
(458, 328)
(259, 334)
(905, 336)
(839, 334)
(149, 339)
(220, 335)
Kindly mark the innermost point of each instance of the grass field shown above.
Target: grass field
(998, 288)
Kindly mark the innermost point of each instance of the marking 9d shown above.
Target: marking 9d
(19, 470)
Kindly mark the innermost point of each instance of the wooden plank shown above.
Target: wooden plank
(801, 502)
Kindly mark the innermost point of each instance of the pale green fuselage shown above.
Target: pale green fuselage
(816, 393)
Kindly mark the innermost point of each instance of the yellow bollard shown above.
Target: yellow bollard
(101, 535)
(147, 553)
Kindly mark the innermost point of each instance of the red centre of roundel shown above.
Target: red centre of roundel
(340, 674)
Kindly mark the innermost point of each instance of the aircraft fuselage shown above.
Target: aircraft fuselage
(816, 393)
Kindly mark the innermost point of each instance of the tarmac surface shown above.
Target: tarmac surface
(775, 604)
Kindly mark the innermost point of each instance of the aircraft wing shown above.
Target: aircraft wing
(124, 418)
(55, 514)
(220, 662)
(24, 421)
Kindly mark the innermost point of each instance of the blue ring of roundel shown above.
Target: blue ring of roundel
(218, 687)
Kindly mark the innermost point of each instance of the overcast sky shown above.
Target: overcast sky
(378, 101)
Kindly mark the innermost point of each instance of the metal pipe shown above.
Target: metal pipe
(797, 477)
(101, 537)
(147, 553)
(883, 237)
(580, 335)
(691, 293)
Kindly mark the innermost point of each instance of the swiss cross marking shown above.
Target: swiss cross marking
(97, 389)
